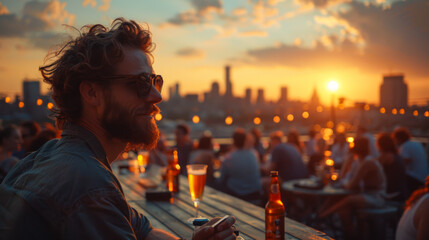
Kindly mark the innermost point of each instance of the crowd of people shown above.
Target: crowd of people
(106, 92)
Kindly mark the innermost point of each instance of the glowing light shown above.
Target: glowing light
(7, 100)
(124, 155)
(330, 124)
(341, 106)
(305, 115)
(334, 177)
(39, 102)
(257, 120)
(329, 162)
(229, 120)
(328, 153)
(158, 117)
(350, 139)
(333, 86)
(21, 104)
(415, 113)
(402, 111)
(352, 145)
(382, 110)
(366, 107)
(394, 111)
(276, 119)
(290, 117)
(319, 109)
(195, 119)
(50, 105)
(427, 114)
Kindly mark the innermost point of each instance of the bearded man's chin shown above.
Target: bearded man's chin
(148, 141)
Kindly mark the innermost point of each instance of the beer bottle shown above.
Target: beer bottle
(173, 171)
(274, 211)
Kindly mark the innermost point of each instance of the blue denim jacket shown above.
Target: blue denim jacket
(70, 185)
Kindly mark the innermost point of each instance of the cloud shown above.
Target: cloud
(191, 53)
(200, 13)
(105, 6)
(37, 21)
(320, 3)
(394, 38)
(37, 16)
(3, 9)
(92, 3)
(254, 34)
(47, 40)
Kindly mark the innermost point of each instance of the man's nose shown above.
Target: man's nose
(154, 96)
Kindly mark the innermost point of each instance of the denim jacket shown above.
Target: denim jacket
(70, 185)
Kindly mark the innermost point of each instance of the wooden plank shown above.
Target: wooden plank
(172, 216)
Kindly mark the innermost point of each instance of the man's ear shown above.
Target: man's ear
(91, 93)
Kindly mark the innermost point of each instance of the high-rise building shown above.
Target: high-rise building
(314, 100)
(260, 98)
(248, 96)
(215, 89)
(394, 92)
(283, 95)
(228, 83)
(31, 90)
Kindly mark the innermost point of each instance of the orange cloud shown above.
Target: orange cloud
(191, 53)
(254, 34)
(3, 9)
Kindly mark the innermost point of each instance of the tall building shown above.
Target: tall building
(283, 95)
(314, 100)
(248, 96)
(228, 83)
(215, 89)
(260, 98)
(31, 90)
(394, 92)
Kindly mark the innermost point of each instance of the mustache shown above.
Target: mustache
(150, 110)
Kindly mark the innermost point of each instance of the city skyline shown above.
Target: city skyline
(300, 44)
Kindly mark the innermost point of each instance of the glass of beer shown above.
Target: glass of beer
(197, 180)
(143, 159)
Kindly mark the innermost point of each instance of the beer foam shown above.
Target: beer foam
(197, 171)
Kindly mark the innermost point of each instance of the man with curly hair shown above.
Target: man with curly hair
(106, 92)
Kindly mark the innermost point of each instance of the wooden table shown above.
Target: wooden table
(172, 216)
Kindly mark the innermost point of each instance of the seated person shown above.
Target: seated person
(393, 167)
(204, 154)
(415, 220)
(240, 170)
(369, 183)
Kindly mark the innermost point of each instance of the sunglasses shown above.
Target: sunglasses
(142, 82)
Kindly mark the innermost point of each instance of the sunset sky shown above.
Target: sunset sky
(301, 44)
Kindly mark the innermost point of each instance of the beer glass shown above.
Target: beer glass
(143, 158)
(197, 180)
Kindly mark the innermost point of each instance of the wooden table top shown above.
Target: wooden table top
(171, 216)
(325, 191)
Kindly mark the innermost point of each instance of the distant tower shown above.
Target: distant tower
(248, 96)
(228, 89)
(31, 90)
(215, 89)
(283, 95)
(394, 92)
(260, 98)
(177, 90)
(314, 100)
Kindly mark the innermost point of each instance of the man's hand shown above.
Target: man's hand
(222, 231)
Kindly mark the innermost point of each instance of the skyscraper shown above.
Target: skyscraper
(228, 83)
(394, 92)
(260, 98)
(248, 96)
(31, 90)
(283, 95)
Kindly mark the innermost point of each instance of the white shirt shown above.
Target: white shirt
(406, 229)
(418, 166)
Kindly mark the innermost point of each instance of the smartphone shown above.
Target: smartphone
(219, 221)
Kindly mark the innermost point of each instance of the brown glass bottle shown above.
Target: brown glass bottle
(274, 211)
(173, 171)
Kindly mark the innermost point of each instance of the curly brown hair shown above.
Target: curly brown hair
(93, 54)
